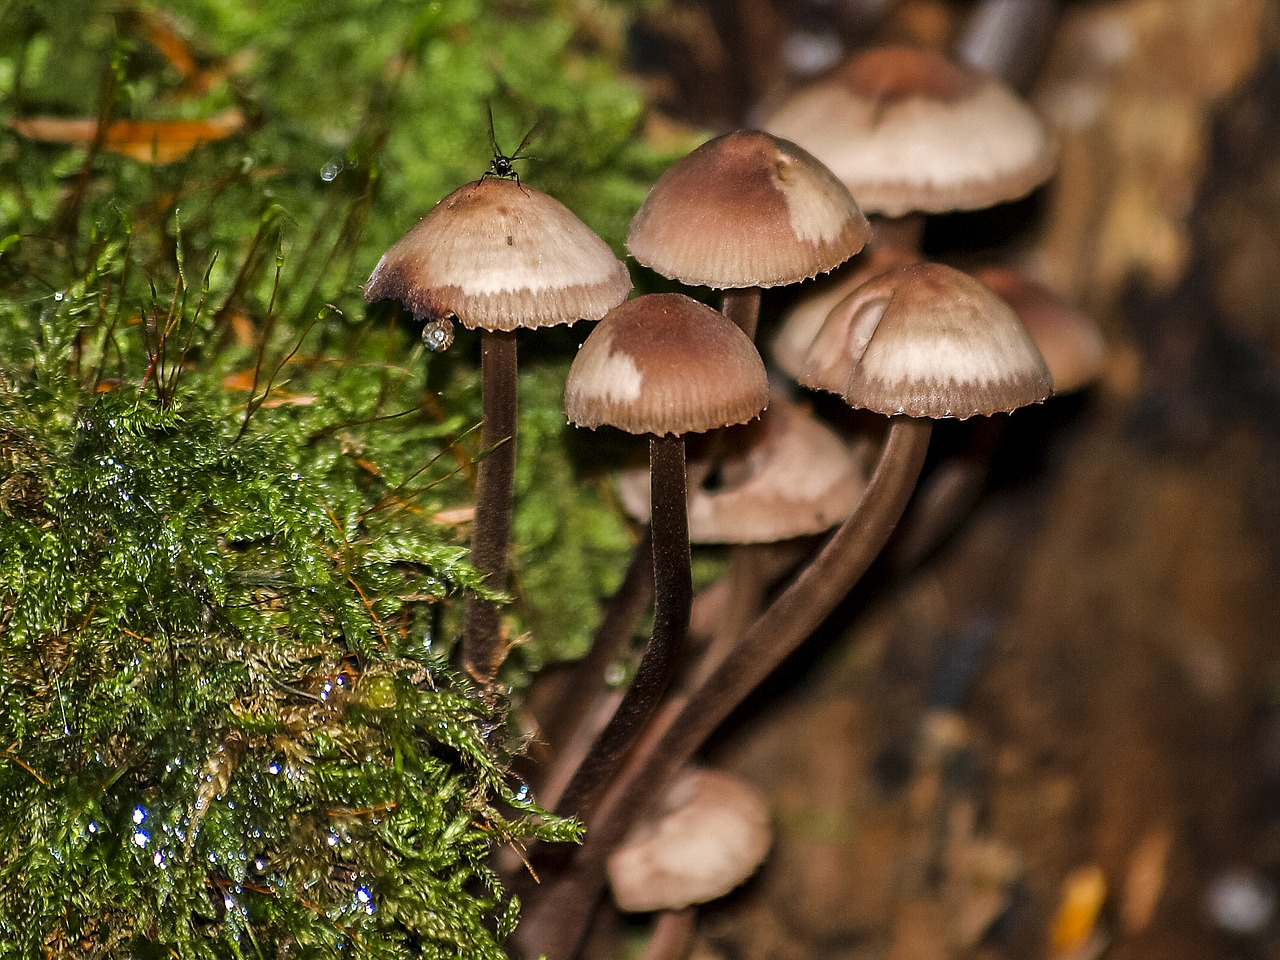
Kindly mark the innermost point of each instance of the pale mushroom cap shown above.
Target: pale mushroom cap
(500, 255)
(906, 130)
(710, 835)
(927, 341)
(746, 210)
(1069, 340)
(803, 321)
(665, 364)
(795, 478)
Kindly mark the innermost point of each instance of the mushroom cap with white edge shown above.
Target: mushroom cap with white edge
(709, 835)
(501, 255)
(791, 477)
(746, 209)
(926, 340)
(665, 364)
(907, 130)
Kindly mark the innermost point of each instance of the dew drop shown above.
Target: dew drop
(329, 172)
(437, 335)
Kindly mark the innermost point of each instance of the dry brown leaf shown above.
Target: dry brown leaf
(148, 141)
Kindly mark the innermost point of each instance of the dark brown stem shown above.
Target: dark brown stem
(673, 595)
(743, 308)
(558, 919)
(482, 648)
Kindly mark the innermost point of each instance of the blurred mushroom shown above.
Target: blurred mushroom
(906, 130)
(709, 834)
(784, 478)
(498, 255)
(1069, 340)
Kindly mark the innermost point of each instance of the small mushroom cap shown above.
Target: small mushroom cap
(746, 210)
(795, 477)
(710, 834)
(906, 130)
(805, 318)
(926, 340)
(665, 364)
(1069, 340)
(500, 255)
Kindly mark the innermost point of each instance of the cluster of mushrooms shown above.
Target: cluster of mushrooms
(905, 132)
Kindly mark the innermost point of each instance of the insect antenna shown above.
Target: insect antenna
(503, 165)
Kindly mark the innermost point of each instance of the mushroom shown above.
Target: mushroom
(906, 130)
(663, 365)
(743, 211)
(792, 477)
(946, 370)
(926, 340)
(498, 255)
(709, 834)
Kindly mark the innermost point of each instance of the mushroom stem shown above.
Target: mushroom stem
(673, 595)
(742, 306)
(904, 233)
(482, 651)
(671, 936)
(556, 923)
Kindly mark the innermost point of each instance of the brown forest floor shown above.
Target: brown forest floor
(1101, 633)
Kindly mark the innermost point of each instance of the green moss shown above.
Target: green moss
(226, 599)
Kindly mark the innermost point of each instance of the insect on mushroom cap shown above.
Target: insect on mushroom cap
(498, 254)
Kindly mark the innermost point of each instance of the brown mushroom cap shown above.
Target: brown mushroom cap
(802, 322)
(926, 340)
(710, 834)
(906, 130)
(500, 255)
(1069, 340)
(746, 210)
(665, 364)
(793, 478)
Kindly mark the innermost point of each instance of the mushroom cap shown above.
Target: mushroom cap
(926, 340)
(500, 255)
(665, 364)
(1069, 340)
(709, 835)
(746, 210)
(794, 478)
(907, 130)
(802, 322)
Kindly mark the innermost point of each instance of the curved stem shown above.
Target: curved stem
(742, 306)
(673, 595)
(557, 922)
(482, 649)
